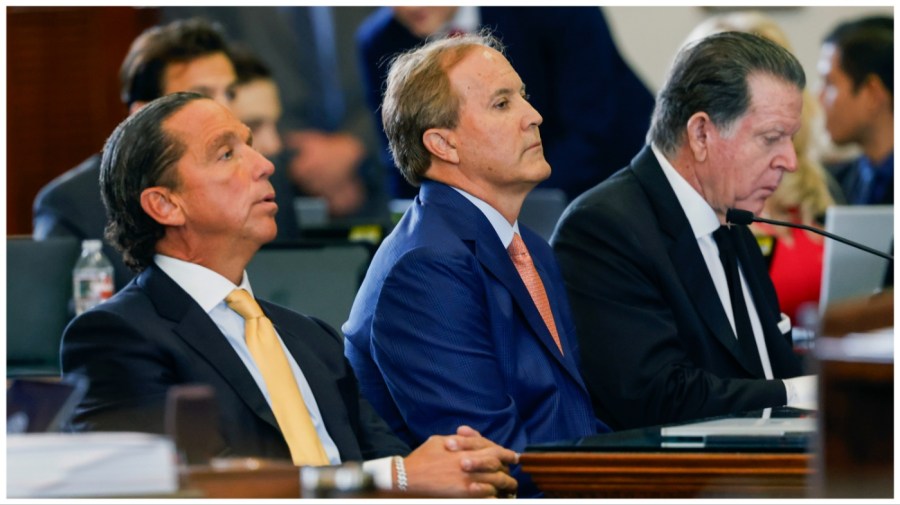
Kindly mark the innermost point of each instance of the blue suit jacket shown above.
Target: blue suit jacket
(443, 332)
(152, 335)
(596, 110)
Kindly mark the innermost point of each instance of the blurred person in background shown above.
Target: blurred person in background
(257, 104)
(187, 55)
(329, 137)
(856, 63)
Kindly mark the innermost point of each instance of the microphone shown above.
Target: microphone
(745, 217)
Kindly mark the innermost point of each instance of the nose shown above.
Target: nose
(531, 117)
(262, 167)
(787, 160)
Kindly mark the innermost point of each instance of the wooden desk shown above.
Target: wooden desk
(248, 478)
(669, 474)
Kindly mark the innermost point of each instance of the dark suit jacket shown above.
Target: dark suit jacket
(153, 335)
(596, 110)
(656, 344)
(70, 206)
(443, 332)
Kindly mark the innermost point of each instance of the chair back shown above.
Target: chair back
(38, 298)
(314, 278)
(541, 210)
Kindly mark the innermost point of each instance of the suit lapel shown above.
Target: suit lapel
(684, 253)
(321, 382)
(199, 331)
(473, 227)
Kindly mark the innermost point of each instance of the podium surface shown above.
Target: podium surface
(643, 463)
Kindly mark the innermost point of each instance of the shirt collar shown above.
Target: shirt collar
(700, 214)
(504, 230)
(206, 287)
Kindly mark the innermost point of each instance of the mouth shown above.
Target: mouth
(536, 145)
(268, 198)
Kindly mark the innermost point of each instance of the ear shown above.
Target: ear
(699, 128)
(441, 142)
(876, 89)
(163, 206)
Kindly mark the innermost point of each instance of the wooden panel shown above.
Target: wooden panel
(62, 92)
(669, 475)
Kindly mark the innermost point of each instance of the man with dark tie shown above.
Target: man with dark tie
(462, 317)
(190, 203)
(676, 314)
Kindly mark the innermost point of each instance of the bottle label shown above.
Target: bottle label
(92, 288)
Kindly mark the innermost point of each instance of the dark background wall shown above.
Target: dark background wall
(62, 92)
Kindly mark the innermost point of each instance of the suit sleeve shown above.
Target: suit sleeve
(376, 440)
(128, 375)
(638, 366)
(432, 341)
(49, 221)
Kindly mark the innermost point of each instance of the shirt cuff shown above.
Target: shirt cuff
(801, 392)
(380, 470)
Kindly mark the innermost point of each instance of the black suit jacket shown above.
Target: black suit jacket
(656, 344)
(153, 335)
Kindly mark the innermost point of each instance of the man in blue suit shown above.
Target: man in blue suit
(596, 110)
(445, 328)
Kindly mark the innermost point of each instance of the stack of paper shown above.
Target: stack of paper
(89, 464)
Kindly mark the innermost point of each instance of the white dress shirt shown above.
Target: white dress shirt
(504, 230)
(704, 222)
(209, 290)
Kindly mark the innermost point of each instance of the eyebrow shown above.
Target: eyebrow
(224, 139)
(507, 92)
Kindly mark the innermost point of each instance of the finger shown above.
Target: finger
(467, 431)
(481, 490)
(500, 482)
(482, 464)
(505, 456)
(467, 443)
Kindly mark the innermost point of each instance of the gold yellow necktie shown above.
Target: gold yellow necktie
(529, 274)
(287, 402)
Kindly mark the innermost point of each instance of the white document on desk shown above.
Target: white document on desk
(89, 464)
(743, 426)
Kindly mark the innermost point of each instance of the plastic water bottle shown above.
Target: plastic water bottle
(92, 277)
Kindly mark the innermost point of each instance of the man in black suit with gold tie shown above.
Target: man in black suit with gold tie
(190, 203)
(676, 315)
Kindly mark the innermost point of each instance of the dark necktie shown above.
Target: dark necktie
(725, 240)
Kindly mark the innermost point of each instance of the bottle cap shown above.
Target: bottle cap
(91, 245)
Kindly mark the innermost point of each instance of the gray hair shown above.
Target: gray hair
(711, 75)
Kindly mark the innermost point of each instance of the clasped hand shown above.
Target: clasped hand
(464, 464)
